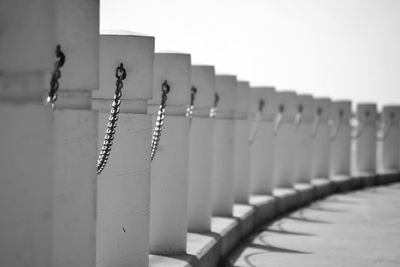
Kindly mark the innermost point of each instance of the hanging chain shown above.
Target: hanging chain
(298, 116)
(155, 140)
(279, 117)
(120, 74)
(257, 121)
(317, 122)
(385, 134)
(189, 110)
(213, 110)
(335, 134)
(55, 76)
(360, 132)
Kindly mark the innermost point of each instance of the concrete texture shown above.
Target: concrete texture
(355, 229)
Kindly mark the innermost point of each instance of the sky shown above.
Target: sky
(343, 49)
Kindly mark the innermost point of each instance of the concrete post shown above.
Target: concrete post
(365, 135)
(169, 169)
(285, 139)
(321, 139)
(223, 143)
(241, 147)
(304, 127)
(56, 215)
(262, 147)
(389, 139)
(123, 188)
(26, 157)
(340, 138)
(74, 188)
(200, 150)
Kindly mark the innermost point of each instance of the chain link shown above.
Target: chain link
(317, 122)
(335, 134)
(155, 140)
(213, 110)
(360, 130)
(257, 121)
(189, 110)
(55, 76)
(391, 123)
(120, 74)
(278, 119)
(299, 116)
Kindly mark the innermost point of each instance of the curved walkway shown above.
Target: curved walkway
(360, 228)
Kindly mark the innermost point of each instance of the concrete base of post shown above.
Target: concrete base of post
(222, 179)
(322, 187)
(168, 201)
(123, 194)
(305, 192)
(265, 207)
(343, 183)
(26, 184)
(246, 214)
(287, 199)
(74, 188)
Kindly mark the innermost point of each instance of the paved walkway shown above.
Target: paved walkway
(356, 229)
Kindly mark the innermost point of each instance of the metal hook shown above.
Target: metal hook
(281, 108)
(261, 105)
(319, 111)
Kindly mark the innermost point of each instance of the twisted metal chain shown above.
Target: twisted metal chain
(335, 134)
(213, 110)
(55, 76)
(385, 134)
(189, 110)
(360, 131)
(317, 122)
(155, 140)
(279, 117)
(120, 74)
(299, 116)
(257, 121)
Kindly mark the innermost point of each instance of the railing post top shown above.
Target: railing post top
(28, 36)
(203, 79)
(323, 107)
(242, 98)
(391, 112)
(175, 68)
(267, 94)
(367, 111)
(286, 103)
(136, 52)
(341, 110)
(226, 86)
(306, 103)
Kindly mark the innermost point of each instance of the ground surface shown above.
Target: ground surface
(361, 228)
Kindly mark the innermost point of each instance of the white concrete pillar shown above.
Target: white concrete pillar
(200, 150)
(321, 133)
(53, 214)
(74, 188)
(285, 129)
(262, 140)
(340, 138)
(169, 168)
(26, 157)
(304, 139)
(241, 166)
(389, 139)
(223, 147)
(123, 187)
(365, 137)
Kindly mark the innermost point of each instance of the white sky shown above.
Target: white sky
(337, 48)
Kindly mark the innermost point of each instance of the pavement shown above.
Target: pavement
(360, 228)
